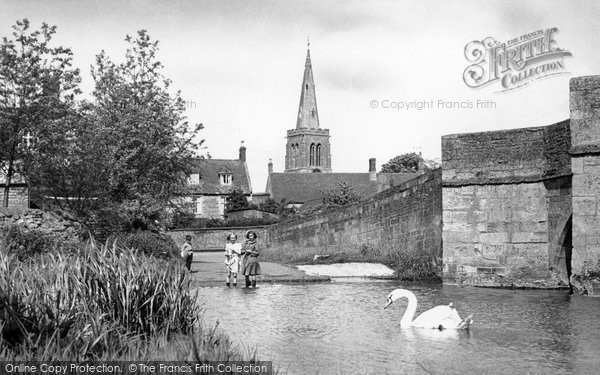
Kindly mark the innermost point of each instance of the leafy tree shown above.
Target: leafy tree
(37, 87)
(343, 196)
(68, 165)
(150, 143)
(236, 200)
(408, 163)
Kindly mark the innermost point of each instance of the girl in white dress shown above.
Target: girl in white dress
(233, 250)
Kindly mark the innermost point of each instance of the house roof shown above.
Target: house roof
(210, 183)
(307, 187)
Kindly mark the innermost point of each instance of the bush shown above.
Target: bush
(150, 243)
(344, 196)
(27, 243)
(413, 267)
(277, 207)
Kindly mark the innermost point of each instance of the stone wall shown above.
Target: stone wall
(507, 156)
(505, 234)
(213, 238)
(250, 213)
(585, 151)
(506, 200)
(59, 223)
(405, 218)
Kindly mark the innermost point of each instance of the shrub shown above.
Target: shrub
(237, 200)
(150, 243)
(344, 196)
(26, 243)
(411, 266)
(277, 207)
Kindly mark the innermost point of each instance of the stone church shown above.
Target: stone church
(307, 148)
(308, 169)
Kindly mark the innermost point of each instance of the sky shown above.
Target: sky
(239, 66)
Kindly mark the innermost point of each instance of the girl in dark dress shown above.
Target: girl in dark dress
(251, 267)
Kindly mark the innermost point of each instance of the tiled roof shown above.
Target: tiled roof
(306, 187)
(210, 183)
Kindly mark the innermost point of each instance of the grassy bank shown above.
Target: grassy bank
(407, 265)
(104, 302)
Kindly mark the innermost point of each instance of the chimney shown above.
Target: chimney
(421, 167)
(242, 152)
(270, 166)
(372, 170)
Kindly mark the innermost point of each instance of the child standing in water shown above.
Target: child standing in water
(233, 251)
(250, 266)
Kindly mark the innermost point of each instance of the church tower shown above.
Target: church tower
(307, 148)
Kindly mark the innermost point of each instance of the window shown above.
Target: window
(225, 178)
(194, 179)
(196, 205)
(318, 156)
(312, 154)
(293, 156)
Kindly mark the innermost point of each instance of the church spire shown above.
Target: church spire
(307, 146)
(308, 116)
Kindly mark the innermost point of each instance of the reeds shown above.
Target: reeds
(103, 303)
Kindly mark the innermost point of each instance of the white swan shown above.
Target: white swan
(440, 317)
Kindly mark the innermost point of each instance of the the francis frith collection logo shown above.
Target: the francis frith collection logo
(514, 63)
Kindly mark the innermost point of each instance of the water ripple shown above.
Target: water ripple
(341, 327)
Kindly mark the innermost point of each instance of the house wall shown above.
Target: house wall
(18, 196)
(212, 206)
(207, 206)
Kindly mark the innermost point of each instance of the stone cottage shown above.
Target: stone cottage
(211, 181)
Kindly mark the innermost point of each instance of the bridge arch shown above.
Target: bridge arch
(561, 262)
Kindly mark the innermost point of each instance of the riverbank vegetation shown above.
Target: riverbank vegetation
(101, 302)
(408, 265)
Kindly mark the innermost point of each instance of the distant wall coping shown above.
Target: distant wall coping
(501, 131)
(504, 181)
(219, 228)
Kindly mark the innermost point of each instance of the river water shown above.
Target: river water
(342, 328)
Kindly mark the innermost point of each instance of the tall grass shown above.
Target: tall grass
(105, 302)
